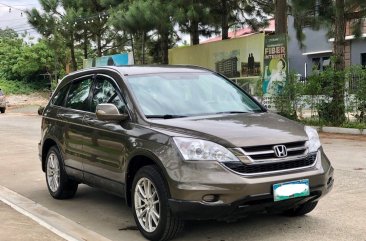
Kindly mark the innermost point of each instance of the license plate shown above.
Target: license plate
(293, 189)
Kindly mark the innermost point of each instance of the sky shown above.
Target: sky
(19, 23)
(14, 18)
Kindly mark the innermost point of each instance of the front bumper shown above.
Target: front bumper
(238, 196)
(191, 210)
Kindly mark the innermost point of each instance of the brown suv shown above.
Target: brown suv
(178, 143)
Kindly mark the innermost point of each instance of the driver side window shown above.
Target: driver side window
(105, 92)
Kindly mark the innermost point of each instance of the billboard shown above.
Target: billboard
(275, 64)
(116, 59)
(235, 58)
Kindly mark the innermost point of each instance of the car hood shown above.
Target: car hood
(235, 130)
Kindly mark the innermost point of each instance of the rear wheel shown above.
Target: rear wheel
(58, 183)
(150, 206)
(301, 210)
(2, 110)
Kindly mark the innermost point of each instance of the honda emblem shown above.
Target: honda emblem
(280, 151)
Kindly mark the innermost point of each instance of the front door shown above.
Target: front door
(106, 147)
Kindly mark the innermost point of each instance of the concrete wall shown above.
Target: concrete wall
(358, 46)
(314, 41)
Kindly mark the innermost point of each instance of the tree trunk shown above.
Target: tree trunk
(337, 104)
(143, 48)
(74, 65)
(281, 16)
(99, 45)
(195, 36)
(164, 47)
(133, 49)
(85, 47)
(224, 20)
(340, 32)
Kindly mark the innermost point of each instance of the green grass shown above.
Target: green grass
(21, 87)
(348, 124)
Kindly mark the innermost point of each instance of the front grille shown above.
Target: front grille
(265, 152)
(273, 166)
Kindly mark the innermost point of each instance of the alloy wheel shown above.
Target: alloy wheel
(53, 172)
(147, 205)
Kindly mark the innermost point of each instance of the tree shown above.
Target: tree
(228, 13)
(333, 15)
(136, 24)
(22, 61)
(281, 16)
(54, 24)
(194, 18)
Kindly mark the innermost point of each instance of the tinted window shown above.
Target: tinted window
(59, 97)
(78, 95)
(105, 92)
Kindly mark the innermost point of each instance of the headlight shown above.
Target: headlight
(200, 150)
(314, 141)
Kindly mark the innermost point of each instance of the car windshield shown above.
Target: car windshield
(173, 95)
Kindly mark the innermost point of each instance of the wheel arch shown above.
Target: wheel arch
(47, 144)
(138, 161)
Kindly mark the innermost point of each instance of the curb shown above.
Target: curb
(340, 130)
(56, 223)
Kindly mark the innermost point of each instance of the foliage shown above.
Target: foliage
(357, 75)
(22, 61)
(334, 16)
(288, 101)
(21, 87)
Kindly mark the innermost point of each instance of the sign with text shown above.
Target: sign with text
(275, 66)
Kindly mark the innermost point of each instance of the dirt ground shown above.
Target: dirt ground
(16, 101)
(325, 135)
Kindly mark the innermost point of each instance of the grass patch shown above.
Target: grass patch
(317, 122)
(22, 87)
(356, 125)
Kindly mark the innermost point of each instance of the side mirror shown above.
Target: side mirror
(109, 112)
(40, 110)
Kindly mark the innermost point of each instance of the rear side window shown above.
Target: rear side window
(78, 95)
(59, 97)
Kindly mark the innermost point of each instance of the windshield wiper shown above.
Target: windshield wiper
(231, 112)
(168, 116)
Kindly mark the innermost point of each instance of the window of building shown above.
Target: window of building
(363, 60)
(321, 63)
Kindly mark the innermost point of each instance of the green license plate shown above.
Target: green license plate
(293, 189)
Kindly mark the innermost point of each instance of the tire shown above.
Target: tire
(301, 210)
(157, 222)
(58, 183)
(2, 110)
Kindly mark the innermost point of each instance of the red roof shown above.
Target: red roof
(243, 32)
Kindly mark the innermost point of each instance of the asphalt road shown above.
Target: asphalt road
(341, 215)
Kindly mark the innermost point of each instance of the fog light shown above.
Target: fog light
(210, 198)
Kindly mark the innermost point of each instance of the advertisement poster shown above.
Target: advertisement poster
(235, 58)
(275, 66)
(111, 60)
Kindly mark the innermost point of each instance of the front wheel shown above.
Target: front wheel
(150, 207)
(301, 210)
(58, 183)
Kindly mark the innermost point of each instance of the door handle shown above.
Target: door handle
(88, 121)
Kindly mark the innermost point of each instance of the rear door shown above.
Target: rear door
(76, 106)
